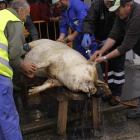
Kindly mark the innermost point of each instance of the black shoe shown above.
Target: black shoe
(133, 115)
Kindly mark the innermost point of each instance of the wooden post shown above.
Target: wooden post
(62, 117)
(95, 111)
(24, 91)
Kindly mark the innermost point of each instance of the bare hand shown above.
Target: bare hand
(57, 19)
(70, 38)
(99, 60)
(28, 67)
(97, 54)
(52, 18)
(60, 40)
(31, 47)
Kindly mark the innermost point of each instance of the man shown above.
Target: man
(127, 21)
(99, 22)
(50, 13)
(11, 47)
(73, 12)
(3, 4)
(29, 25)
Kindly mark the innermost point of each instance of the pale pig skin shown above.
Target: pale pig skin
(62, 66)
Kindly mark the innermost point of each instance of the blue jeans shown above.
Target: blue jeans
(9, 118)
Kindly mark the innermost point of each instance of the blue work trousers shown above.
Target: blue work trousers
(80, 49)
(9, 118)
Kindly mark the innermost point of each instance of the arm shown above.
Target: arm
(14, 33)
(61, 37)
(118, 30)
(31, 28)
(72, 36)
(90, 22)
(115, 35)
(81, 12)
(60, 17)
(59, 13)
(108, 44)
(64, 25)
(112, 54)
(44, 12)
(132, 35)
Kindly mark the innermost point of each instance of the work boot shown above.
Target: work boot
(112, 102)
(133, 115)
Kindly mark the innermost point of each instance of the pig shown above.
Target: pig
(62, 66)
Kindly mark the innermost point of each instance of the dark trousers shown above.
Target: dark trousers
(116, 74)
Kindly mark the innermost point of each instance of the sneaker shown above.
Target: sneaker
(133, 115)
(112, 102)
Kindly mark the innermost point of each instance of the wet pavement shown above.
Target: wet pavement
(113, 124)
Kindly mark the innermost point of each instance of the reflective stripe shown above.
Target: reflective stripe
(116, 81)
(4, 47)
(115, 73)
(119, 73)
(5, 17)
(109, 73)
(5, 62)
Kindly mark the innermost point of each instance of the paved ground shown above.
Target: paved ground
(114, 125)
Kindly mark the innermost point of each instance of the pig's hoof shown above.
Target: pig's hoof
(32, 91)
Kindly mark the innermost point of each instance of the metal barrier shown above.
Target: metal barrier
(42, 21)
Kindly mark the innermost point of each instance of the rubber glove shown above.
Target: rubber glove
(103, 42)
(86, 39)
(26, 47)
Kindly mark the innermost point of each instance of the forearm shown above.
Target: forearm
(35, 37)
(62, 36)
(108, 44)
(113, 54)
(31, 28)
(60, 17)
(64, 26)
(110, 55)
(75, 34)
(16, 63)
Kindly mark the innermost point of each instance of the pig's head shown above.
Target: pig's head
(83, 78)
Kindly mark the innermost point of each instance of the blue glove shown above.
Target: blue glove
(86, 39)
(103, 42)
(26, 47)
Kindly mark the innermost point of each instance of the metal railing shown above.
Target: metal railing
(47, 26)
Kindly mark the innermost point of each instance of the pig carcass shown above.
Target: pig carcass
(62, 66)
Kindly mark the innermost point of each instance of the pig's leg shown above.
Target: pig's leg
(99, 83)
(102, 89)
(43, 64)
(48, 84)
